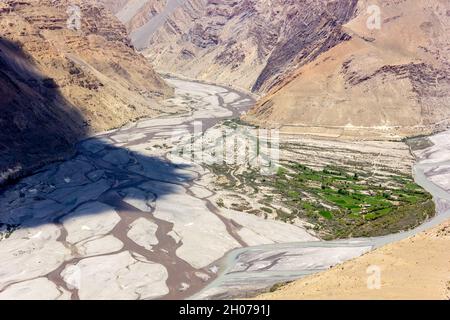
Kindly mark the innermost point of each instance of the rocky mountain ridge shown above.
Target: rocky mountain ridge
(383, 83)
(61, 82)
(252, 44)
(320, 66)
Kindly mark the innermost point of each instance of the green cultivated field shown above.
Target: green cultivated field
(339, 203)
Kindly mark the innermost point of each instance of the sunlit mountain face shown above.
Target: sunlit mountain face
(313, 62)
(62, 79)
(206, 149)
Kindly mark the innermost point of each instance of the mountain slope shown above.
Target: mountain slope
(252, 44)
(322, 70)
(58, 85)
(385, 83)
(412, 269)
(134, 14)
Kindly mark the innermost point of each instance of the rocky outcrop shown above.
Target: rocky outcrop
(134, 13)
(322, 66)
(383, 83)
(252, 44)
(312, 30)
(59, 82)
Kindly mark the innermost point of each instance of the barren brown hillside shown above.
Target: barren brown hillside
(252, 44)
(59, 83)
(376, 69)
(389, 82)
(415, 268)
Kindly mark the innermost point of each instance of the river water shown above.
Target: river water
(126, 218)
(242, 276)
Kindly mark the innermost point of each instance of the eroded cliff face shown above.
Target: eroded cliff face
(319, 66)
(59, 84)
(252, 44)
(380, 83)
(134, 13)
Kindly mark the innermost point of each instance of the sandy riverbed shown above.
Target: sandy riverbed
(414, 268)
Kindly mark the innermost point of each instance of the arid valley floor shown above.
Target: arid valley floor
(128, 217)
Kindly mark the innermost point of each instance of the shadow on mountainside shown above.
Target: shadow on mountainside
(38, 124)
(39, 127)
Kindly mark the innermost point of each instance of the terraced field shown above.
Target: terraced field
(339, 197)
